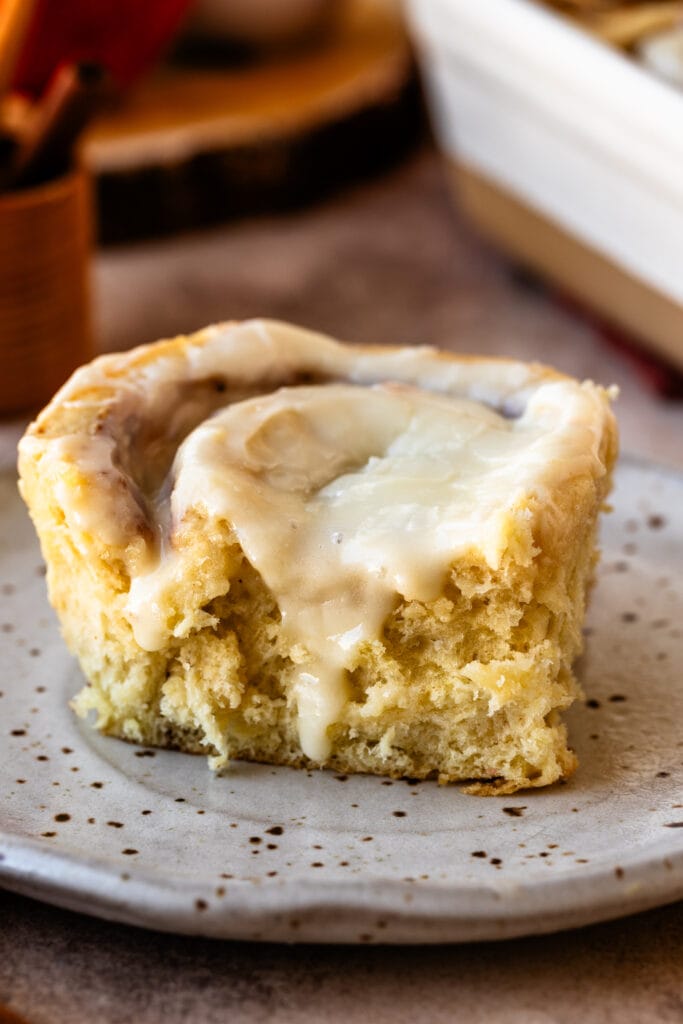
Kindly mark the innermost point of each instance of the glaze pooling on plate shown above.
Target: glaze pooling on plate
(103, 827)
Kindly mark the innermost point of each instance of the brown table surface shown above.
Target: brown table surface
(389, 262)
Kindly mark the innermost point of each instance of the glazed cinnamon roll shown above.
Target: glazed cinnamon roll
(264, 544)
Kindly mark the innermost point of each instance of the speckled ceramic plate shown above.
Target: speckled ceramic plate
(153, 838)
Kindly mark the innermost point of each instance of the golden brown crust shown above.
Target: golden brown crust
(191, 741)
(466, 687)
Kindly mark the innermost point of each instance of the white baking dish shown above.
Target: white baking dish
(574, 133)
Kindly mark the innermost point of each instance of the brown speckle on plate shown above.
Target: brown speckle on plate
(515, 812)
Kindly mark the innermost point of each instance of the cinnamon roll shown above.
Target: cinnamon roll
(264, 544)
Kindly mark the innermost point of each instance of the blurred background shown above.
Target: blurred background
(493, 178)
(497, 177)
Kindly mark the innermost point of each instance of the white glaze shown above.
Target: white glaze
(346, 497)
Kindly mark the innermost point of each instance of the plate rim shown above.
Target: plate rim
(443, 913)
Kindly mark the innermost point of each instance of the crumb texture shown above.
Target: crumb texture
(469, 685)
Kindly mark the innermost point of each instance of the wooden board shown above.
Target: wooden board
(196, 145)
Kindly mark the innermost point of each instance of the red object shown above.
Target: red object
(126, 36)
(659, 375)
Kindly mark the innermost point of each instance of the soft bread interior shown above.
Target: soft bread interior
(466, 686)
